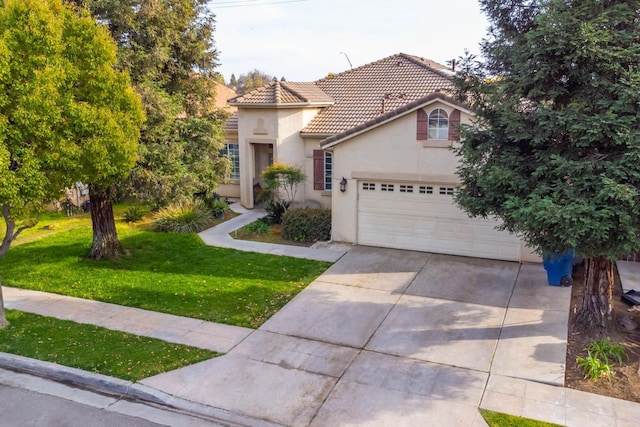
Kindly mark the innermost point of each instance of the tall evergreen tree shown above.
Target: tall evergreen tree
(555, 151)
(168, 49)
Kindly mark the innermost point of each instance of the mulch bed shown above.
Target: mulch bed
(626, 383)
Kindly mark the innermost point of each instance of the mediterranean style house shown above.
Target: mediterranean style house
(374, 143)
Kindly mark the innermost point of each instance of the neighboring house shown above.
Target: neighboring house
(385, 129)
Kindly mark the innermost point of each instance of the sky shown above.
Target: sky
(304, 40)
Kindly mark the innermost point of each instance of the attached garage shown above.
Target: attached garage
(423, 217)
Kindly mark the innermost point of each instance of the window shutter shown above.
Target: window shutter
(318, 169)
(422, 125)
(454, 125)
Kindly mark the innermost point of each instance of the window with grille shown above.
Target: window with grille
(446, 191)
(370, 186)
(426, 189)
(232, 150)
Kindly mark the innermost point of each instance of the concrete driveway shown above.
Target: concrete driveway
(389, 337)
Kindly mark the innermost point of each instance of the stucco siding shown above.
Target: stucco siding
(281, 129)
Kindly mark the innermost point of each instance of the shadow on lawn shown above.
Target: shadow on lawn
(166, 253)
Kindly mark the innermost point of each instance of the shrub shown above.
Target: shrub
(288, 178)
(307, 225)
(219, 206)
(134, 214)
(256, 227)
(186, 217)
(275, 210)
(213, 202)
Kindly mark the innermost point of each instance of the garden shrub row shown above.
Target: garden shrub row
(307, 225)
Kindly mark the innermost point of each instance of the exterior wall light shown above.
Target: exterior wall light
(343, 184)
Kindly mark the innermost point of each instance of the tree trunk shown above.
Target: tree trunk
(105, 238)
(598, 293)
(3, 318)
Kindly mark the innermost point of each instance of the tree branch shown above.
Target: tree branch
(10, 225)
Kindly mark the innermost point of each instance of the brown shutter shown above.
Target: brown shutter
(454, 125)
(422, 125)
(318, 169)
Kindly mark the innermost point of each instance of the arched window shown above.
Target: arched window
(438, 124)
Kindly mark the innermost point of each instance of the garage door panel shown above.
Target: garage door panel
(431, 223)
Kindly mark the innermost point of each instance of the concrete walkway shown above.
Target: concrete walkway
(167, 327)
(220, 236)
(383, 337)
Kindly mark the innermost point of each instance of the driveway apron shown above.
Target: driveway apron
(389, 337)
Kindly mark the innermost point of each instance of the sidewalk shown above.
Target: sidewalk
(220, 236)
(167, 327)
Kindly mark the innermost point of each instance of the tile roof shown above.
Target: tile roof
(278, 93)
(359, 95)
(232, 123)
(406, 108)
(366, 92)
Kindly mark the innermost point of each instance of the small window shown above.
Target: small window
(406, 188)
(438, 124)
(328, 170)
(232, 150)
(424, 189)
(446, 191)
(370, 186)
(386, 187)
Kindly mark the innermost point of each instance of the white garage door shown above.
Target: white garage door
(423, 217)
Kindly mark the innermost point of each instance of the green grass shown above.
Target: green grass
(165, 272)
(93, 348)
(496, 419)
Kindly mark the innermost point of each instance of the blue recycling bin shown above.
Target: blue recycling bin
(559, 267)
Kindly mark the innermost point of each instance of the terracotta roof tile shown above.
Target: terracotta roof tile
(232, 123)
(374, 89)
(389, 115)
(284, 93)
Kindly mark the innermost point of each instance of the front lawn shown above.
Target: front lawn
(498, 419)
(165, 272)
(94, 349)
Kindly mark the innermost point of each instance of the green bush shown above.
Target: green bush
(307, 225)
(134, 214)
(186, 217)
(256, 227)
(275, 210)
(219, 206)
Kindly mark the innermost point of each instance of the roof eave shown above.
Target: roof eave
(316, 135)
(390, 116)
(283, 105)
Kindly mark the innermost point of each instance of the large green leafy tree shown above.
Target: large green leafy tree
(555, 151)
(168, 49)
(65, 113)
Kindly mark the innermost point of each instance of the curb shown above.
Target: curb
(123, 389)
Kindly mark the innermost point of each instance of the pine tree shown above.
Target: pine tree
(555, 151)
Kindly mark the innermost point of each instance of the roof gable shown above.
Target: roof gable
(283, 93)
(393, 115)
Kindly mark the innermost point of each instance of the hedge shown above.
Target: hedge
(307, 225)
